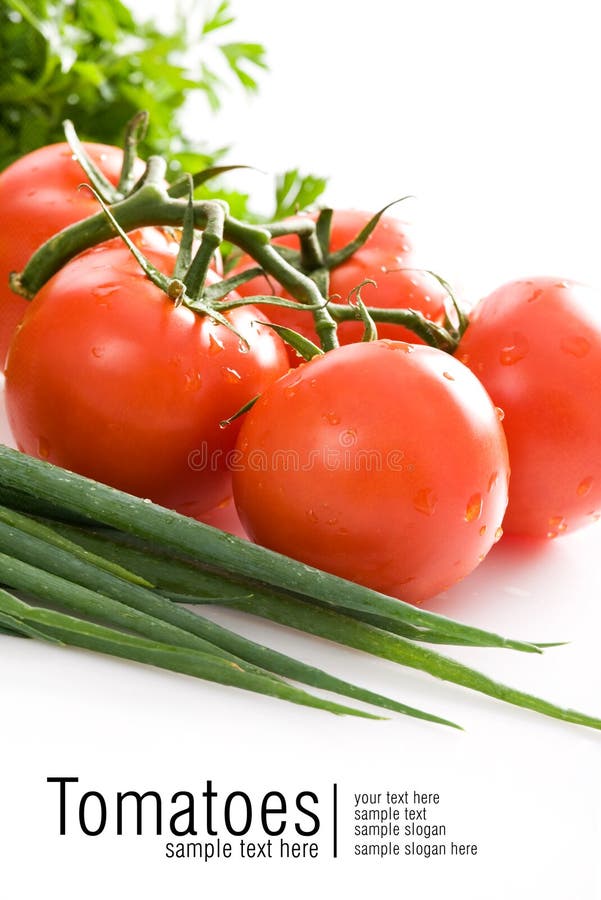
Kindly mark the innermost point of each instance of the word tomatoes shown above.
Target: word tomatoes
(106, 377)
(382, 462)
(536, 346)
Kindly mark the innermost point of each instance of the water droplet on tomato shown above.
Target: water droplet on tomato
(192, 380)
(448, 376)
(482, 531)
(561, 284)
(514, 351)
(215, 345)
(312, 517)
(98, 352)
(407, 580)
(332, 418)
(492, 481)
(500, 413)
(498, 534)
(535, 294)
(230, 375)
(43, 448)
(332, 521)
(425, 501)
(557, 524)
(105, 290)
(585, 486)
(473, 509)
(575, 346)
(290, 392)
(243, 347)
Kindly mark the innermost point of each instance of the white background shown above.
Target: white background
(488, 113)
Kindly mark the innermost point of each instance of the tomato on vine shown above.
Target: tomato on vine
(39, 196)
(382, 462)
(385, 258)
(107, 377)
(536, 346)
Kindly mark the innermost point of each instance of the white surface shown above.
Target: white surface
(488, 113)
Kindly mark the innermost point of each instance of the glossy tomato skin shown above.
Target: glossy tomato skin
(39, 196)
(536, 346)
(384, 463)
(107, 378)
(386, 258)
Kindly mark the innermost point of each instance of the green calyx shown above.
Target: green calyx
(304, 275)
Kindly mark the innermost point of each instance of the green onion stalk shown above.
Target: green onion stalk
(134, 562)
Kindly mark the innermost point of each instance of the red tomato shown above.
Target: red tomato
(38, 197)
(536, 346)
(107, 378)
(384, 258)
(384, 463)
(225, 517)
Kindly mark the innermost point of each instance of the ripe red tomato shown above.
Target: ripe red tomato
(107, 378)
(38, 197)
(384, 463)
(384, 258)
(536, 346)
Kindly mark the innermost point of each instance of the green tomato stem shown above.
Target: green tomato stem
(135, 132)
(152, 205)
(212, 237)
(430, 332)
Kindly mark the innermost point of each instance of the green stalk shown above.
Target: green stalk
(33, 543)
(151, 205)
(32, 505)
(43, 585)
(341, 629)
(9, 626)
(89, 636)
(430, 332)
(187, 583)
(214, 548)
(37, 530)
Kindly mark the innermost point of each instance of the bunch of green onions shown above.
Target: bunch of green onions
(95, 568)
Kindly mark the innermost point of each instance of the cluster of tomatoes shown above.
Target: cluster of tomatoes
(384, 461)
